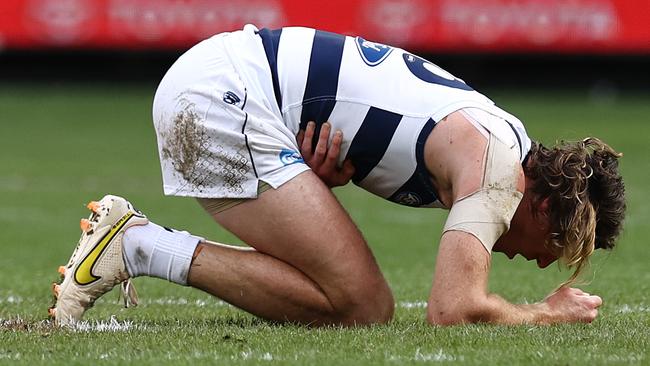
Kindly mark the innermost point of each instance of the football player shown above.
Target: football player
(257, 125)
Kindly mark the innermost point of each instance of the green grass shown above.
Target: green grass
(63, 145)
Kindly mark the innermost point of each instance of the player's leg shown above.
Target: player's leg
(311, 264)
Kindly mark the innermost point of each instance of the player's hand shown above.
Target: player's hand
(573, 305)
(323, 160)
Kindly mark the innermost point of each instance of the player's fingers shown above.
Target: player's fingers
(300, 137)
(576, 291)
(597, 301)
(305, 147)
(333, 151)
(321, 145)
(343, 175)
(347, 170)
(590, 316)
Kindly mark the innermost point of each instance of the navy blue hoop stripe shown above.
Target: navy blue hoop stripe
(371, 141)
(420, 182)
(521, 146)
(322, 79)
(271, 41)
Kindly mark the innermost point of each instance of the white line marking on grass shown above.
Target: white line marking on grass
(113, 325)
(630, 358)
(10, 356)
(14, 324)
(640, 308)
(412, 305)
(18, 324)
(625, 308)
(439, 356)
(181, 301)
(253, 355)
(11, 299)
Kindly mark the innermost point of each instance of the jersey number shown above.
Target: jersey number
(431, 73)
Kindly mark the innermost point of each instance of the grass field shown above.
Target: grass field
(63, 145)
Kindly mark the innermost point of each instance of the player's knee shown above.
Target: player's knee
(384, 308)
(372, 306)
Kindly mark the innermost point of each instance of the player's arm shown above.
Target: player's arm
(486, 184)
(323, 160)
(460, 292)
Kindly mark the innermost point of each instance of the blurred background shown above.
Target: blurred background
(599, 46)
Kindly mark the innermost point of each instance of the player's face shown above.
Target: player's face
(528, 236)
(528, 242)
(539, 252)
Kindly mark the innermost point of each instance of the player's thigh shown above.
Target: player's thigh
(303, 224)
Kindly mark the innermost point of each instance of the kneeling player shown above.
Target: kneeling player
(227, 115)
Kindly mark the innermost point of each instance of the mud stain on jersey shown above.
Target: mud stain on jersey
(184, 143)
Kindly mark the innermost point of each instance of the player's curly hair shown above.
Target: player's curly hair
(586, 197)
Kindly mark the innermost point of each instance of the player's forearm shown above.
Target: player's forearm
(499, 311)
(491, 309)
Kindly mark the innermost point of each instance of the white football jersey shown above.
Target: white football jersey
(385, 100)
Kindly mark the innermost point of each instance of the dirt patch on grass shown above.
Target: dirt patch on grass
(21, 325)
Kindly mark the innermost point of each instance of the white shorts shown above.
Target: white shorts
(218, 125)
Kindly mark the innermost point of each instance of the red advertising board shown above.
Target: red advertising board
(592, 26)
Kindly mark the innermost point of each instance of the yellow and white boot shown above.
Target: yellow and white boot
(97, 264)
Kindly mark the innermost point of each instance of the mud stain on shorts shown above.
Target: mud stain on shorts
(206, 157)
(186, 141)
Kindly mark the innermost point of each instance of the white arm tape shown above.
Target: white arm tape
(486, 213)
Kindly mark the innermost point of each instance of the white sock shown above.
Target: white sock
(152, 250)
